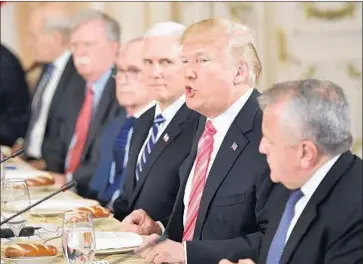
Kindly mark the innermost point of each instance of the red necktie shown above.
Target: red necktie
(81, 133)
(205, 148)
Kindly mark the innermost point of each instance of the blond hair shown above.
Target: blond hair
(241, 42)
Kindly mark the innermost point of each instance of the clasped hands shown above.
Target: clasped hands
(166, 251)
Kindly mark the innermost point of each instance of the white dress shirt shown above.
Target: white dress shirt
(308, 190)
(116, 194)
(36, 135)
(221, 123)
(168, 115)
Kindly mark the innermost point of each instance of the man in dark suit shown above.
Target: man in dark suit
(49, 29)
(94, 44)
(133, 95)
(14, 98)
(316, 215)
(225, 186)
(163, 136)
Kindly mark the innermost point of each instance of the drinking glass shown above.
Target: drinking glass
(14, 198)
(78, 239)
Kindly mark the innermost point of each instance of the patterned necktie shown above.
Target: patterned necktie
(119, 157)
(37, 100)
(158, 121)
(278, 243)
(205, 148)
(81, 133)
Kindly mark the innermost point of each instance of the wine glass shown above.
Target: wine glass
(14, 198)
(78, 241)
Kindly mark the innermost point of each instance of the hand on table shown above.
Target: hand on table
(141, 223)
(241, 261)
(167, 251)
(38, 164)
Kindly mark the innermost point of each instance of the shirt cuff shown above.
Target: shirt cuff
(185, 252)
(161, 226)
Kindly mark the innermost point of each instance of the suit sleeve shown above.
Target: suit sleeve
(55, 146)
(347, 246)
(245, 246)
(14, 100)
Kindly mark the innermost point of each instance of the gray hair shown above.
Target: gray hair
(112, 28)
(167, 28)
(315, 110)
(59, 24)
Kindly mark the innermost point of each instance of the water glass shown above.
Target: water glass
(78, 241)
(14, 198)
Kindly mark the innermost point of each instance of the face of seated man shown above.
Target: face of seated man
(163, 68)
(93, 51)
(131, 91)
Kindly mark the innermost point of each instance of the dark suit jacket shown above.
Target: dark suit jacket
(56, 104)
(108, 109)
(231, 219)
(100, 178)
(14, 98)
(156, 190)
(330, 228)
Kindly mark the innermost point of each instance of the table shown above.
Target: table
(110, 224)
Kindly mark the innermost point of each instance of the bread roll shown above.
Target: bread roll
(96, 211)
(43, 180)
(19, 250)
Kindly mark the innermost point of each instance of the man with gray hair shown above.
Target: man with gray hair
(49, 30)
(91, 101)
(163, 136)
(316, 215)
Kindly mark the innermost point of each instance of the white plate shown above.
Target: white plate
(53, 207)
(33, 260)
(116, 242)
(23, 173)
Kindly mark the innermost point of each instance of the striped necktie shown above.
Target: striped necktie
(158, 121)
(205, 148)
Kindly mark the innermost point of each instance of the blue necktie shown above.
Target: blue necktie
(278, 243)
(158, 121)
(119, 157)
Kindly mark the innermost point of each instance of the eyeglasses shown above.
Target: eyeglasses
(131, 73)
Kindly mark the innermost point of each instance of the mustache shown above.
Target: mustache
(82, 60)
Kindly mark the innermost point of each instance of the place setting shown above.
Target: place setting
(73, 235)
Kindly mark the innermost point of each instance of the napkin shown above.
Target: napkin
(117, 240)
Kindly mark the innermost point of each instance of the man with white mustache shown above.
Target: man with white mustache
(94, 44)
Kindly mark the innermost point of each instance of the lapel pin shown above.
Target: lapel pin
(234, 146)
(166, 138)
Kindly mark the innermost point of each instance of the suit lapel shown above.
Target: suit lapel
(141, 130)
(233, 144)
(310, 211)
(61, 86)
(171, 132)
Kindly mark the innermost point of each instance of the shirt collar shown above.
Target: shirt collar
(101, 82)
(144, 109)
(171, 110)
(312, 184)
(62, 59)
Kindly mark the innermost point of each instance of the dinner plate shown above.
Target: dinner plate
(32, 260)
(116, 242)
(53, 207)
